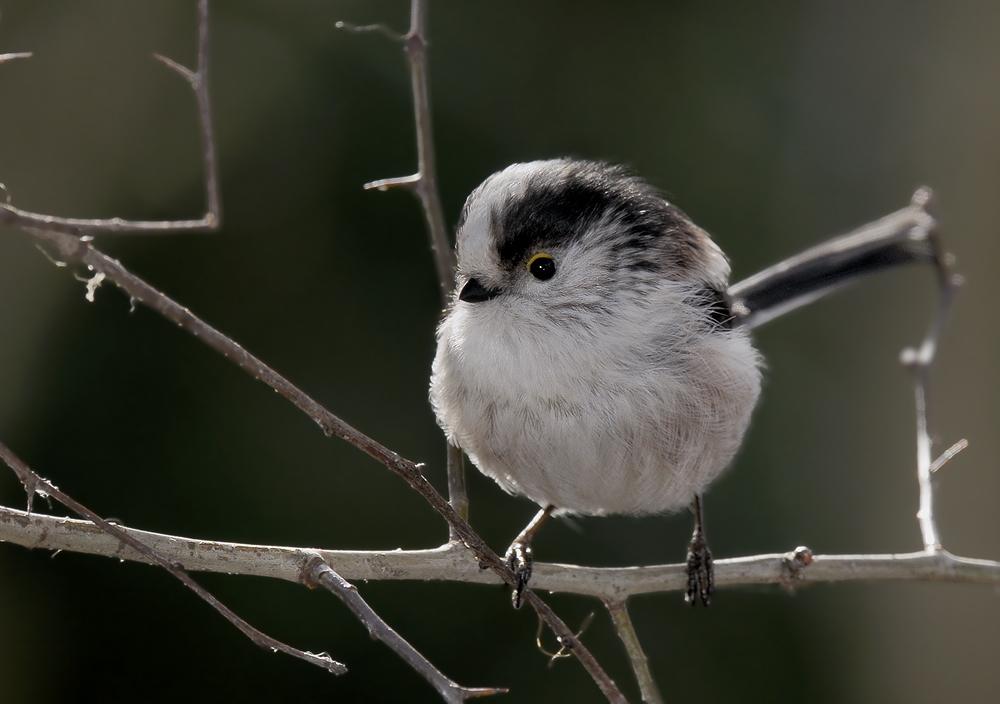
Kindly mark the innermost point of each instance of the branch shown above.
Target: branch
(626, 631)
(424, 185)
(4, 58)
(319, 573)
(75, 249)
(454, 563)
(198, 80)
(424, 182)
(34, 484)
(919, 362)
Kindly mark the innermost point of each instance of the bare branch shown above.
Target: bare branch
(424, 185)
(919, 362)
(34, 484)
(70, 248)
(198, 80)
(626, 631)
(317, 572)
(455, 563)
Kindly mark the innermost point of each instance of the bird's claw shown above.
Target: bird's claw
(519, 560)
(700, 573)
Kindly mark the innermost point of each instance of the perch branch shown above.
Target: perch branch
(34, 484)
(453, 562)
(317, 572)
(198, 80)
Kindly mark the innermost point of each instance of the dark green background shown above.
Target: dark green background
(774, 126)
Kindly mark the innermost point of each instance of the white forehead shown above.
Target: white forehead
(477, 249)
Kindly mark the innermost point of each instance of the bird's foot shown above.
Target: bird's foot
(518, 558)
(700, 573)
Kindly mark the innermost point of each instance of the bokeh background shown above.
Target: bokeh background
(774, 126)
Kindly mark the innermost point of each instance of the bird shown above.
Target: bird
(588, 358)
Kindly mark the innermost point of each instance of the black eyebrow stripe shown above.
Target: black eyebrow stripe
(563, 199)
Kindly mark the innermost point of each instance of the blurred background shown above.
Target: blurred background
(774, 127)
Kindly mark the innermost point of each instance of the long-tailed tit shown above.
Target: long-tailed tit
(594, 358)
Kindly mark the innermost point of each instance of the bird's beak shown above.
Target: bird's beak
(475, 292)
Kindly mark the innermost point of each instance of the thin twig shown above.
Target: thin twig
(377, 28)
(948, 455)
(34, 484)
(455, 563)
(198, 80)
(424, 185)
(424, 182)
(68, 248)
(919, 362)
(4, 58)
(626, 631)
(317, 572)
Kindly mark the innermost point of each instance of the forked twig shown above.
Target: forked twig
(198, 80)
(317, 572)
(34, 484)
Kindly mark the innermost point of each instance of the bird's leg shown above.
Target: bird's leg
(519, 554)
(701, 576)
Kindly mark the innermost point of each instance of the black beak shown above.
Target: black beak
(475, 292)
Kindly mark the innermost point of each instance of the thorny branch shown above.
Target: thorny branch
(35, 484)
(424, 185)
(424, 182)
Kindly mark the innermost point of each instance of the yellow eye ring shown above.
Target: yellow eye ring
(542, 266)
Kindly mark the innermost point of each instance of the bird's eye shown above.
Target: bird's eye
(542, 267)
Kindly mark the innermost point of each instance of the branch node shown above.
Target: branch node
(792, 564)
(414, 43)
(924, 198)
(93, 283)
(187, 74)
